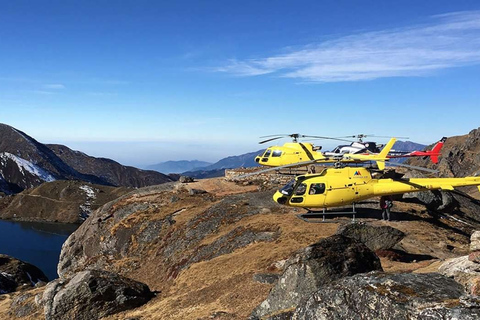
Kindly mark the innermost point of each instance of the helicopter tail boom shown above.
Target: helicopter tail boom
(390, 187)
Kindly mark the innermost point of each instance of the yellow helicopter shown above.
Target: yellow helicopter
(290, 152)
(359, 151)
(290, 157)
(335, 187)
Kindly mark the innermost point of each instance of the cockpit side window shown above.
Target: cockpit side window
(267, 153)
(300, 190)
(317, 188)
(276, 153)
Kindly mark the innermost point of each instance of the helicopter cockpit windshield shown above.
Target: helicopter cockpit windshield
(288, 188)
(339, 149)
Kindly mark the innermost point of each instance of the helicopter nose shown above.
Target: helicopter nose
(280, 198)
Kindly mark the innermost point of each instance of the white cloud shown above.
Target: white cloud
(449, 40)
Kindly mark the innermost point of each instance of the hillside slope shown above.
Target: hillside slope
(65, 201)
(108, 170)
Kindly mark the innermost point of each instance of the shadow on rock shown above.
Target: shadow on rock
(312, 268)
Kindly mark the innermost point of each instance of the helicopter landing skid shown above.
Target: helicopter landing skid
(313, 216)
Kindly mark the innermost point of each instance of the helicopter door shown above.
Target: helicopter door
(315, 195)
(298, 193)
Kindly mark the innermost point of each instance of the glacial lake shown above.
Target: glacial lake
(37, 243)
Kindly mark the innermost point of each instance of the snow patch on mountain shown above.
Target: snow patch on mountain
(86, 207)
(25, 165)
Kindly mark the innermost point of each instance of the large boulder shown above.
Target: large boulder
(434, 200)
(315, 266)
(475, 241)
(15, 274)
(376, 238)
(93, 294)
(461, 269)
(390, 296)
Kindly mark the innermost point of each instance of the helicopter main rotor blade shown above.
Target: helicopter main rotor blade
(336, 139)
(271, 139)
(361, 136)
(406, 138)
(292, 165)
(394, 164)
(277, 135)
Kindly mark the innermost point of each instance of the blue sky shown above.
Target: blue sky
(148, 81)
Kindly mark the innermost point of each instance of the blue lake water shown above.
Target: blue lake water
(34, 242)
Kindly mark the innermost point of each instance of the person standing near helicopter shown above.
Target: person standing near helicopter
(385, 204)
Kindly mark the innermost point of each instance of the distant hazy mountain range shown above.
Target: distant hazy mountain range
(408, 146)
(218, 168)
(178, 166)
(208, 170)
(27, 163)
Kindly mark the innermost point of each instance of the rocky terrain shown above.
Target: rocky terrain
(26, 163)
(460, 156)
(217, 249)
(18, 275)
(222, 249)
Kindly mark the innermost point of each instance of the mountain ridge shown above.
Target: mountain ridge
(26, 163)
(218, 168)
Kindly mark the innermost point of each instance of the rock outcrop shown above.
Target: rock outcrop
(16, 274)
(466, 269)
(390, 296)
(375, 238)
(148, 227)
(91, 295)
(314, 267)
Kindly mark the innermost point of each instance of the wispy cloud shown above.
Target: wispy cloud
(55, 86)
(44, 92)
(102, 94)
(445, 41)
